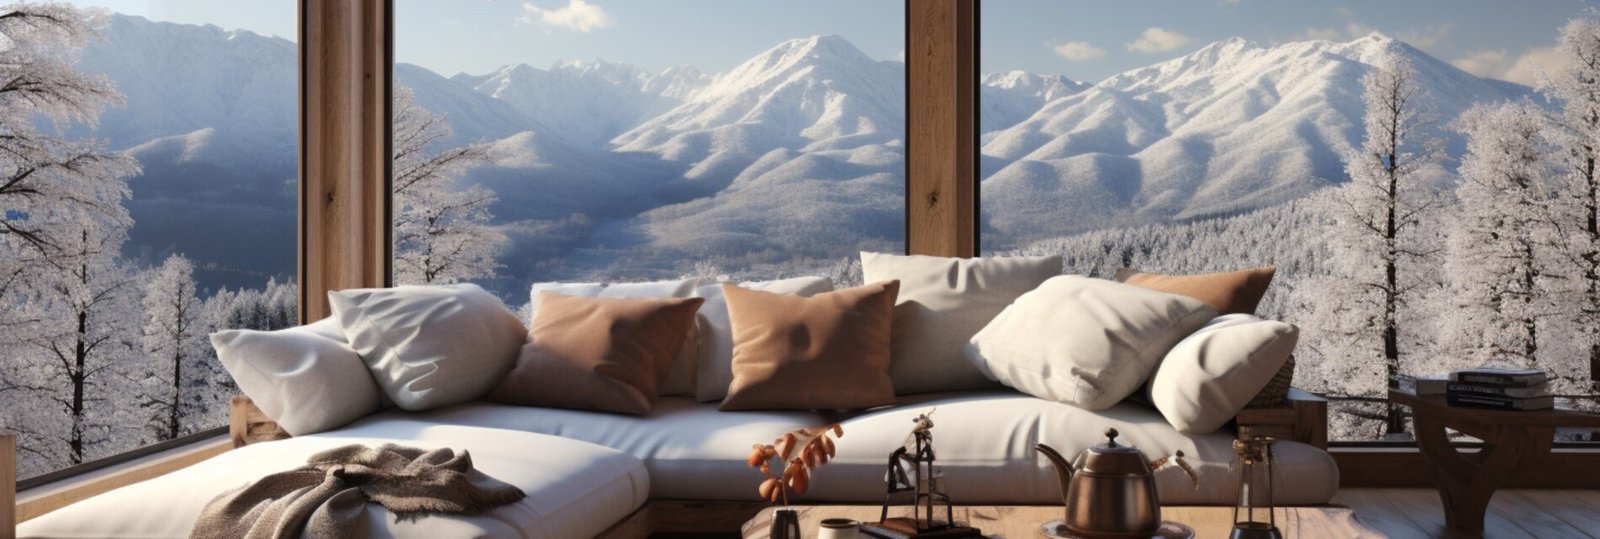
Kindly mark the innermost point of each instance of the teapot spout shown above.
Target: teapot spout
(1063, 467)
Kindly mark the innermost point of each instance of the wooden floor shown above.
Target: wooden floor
(1518, 514)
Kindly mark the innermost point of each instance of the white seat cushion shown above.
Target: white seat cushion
(984, 440)
(575, 489)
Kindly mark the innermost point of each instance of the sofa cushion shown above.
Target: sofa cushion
(714, 370)
(1211, 375)
(1230, 292)
(984, 440)
(829, 351)
(1085, 342)
(306, 378)
(430, 346)
(602, 354)
(942, 303)
(575, 489)
(680, 378)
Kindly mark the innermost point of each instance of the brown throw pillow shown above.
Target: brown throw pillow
(1233, 292)
(601, 354)
(828, 351)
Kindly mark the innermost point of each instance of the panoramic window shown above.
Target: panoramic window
(1421, 175)
(148, 195)
(626, 140)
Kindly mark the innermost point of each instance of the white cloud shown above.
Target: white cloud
(1078, 51)
(1158, 40)
(1429, 36)
(1527, 68)
(577, 15)
(1485, 63)
(1533, 64)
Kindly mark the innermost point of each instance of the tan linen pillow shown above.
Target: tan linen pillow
(680, 380)
(714, 370)
(1232, 292)
(601, 354)
(828, 351)
(1211, 375)
(942, 303)
(1085, 342)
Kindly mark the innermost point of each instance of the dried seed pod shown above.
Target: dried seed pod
(771, 489)
(757, 456)
(800, 482)
(785, 446)
(827, 446)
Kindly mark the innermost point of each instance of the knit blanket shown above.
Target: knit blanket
(329, 496)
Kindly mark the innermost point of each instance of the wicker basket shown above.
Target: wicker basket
(1276, 394)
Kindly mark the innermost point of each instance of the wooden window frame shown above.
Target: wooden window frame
(346, 70)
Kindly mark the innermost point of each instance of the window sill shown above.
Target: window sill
(49, 497)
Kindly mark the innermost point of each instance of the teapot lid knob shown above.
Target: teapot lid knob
(1111, 437)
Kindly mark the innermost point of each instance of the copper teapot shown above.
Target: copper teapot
(1111, 492)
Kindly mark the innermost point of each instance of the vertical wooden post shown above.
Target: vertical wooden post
(941, 127)
(345, 71)
(8, 485)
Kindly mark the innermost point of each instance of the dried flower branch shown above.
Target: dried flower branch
(802, 451)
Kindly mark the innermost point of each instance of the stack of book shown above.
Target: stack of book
(1505, 389)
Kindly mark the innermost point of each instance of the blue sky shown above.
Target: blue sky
(1083, 39)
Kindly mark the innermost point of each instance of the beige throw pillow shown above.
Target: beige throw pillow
(601, 354)
(714, 370)
(305, 378)
(829, 351)
(430, 346)
(1085, 342)
(942, 303)
(1212, 374)
(680, 381)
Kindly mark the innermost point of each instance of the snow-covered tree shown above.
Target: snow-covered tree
(1576, 87)
(441, 228)
(1503, 241)
(88, 345)
(46, 180)
(175, 329)
(274, 307)
(1382, 253)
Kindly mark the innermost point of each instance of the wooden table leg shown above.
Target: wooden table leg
(1468, 481)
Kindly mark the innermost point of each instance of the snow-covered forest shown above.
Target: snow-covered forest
(1417, 265)
(101, 354)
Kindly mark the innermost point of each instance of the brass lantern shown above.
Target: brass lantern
(1254, 468)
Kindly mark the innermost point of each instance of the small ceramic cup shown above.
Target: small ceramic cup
(838, 528)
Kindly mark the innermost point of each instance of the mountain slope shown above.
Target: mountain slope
(587, 103)
(1006, 98)
(1232, 127)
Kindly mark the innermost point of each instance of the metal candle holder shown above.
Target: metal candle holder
(1254, 459)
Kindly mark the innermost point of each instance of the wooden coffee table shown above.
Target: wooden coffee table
(1512, 442)
(1019, 522)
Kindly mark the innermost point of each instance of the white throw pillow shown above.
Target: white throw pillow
(1212, 374)
(714, 372)
(680, 378)
(1085, 342)
(305, 378)
(943, 302)
(430, 346)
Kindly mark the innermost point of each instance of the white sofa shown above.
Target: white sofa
(586, 471)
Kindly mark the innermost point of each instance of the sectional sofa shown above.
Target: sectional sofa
(682, 467)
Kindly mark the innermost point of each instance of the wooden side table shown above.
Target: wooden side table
(1512, 442)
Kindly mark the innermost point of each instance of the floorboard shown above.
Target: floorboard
(1514, 514)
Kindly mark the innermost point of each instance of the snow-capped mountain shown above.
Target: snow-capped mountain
(588, 103)
(811, 93)
(1232, 127)
(606, 169)
(1006, 98)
